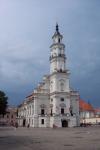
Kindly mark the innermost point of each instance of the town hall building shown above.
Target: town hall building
(53, 103)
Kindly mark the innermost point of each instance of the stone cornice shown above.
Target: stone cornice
(59, 93)
(58, 72)
(57, 44)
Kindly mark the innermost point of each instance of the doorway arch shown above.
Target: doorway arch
(64, 123)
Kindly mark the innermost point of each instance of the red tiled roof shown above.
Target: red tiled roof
(97, 110)
(84, 106)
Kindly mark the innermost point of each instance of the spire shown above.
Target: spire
(57, 28)
(57, 33)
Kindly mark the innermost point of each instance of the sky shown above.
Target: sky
(26, 29)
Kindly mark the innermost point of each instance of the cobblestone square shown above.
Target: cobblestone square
(50, 139)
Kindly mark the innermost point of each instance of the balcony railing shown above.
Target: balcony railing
(59, 55)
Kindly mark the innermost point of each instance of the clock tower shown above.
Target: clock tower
(59, 80)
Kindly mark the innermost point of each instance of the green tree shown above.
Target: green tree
(3, 103)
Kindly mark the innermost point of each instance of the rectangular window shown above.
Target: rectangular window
(51, 100)
(51, 112)
(42, 121)
(42, 111)
(32, 121)
(62, 99)
(62, 110)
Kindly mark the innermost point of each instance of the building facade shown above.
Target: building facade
(88, 114)
(86, 110)
(53, 103)
(10, 118)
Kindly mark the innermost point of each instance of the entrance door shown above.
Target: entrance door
(24, 122)
(64, 123)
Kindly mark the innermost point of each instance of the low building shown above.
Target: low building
(97, 112)
(86, 110)
(88, 114)
(10, 118)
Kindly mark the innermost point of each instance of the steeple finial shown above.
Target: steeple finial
(57, 28)
(57, 33)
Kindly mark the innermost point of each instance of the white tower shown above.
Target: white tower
(57, 53)
(58, 63)
(59, 81)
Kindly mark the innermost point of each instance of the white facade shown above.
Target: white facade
(52, 103)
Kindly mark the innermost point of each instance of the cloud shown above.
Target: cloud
(26, 28)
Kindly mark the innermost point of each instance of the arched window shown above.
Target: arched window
(61, 84)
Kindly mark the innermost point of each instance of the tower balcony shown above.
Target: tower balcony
(57, 56)
(59, 71)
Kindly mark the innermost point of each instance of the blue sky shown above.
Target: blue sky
(26, 28)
